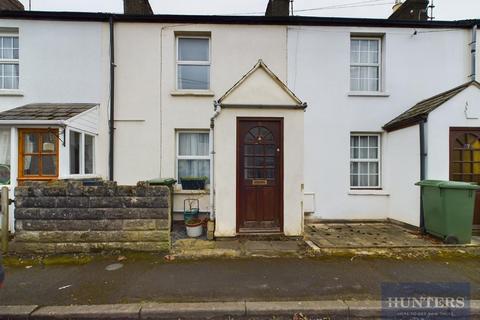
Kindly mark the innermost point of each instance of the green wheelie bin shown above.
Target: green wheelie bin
(448, 209)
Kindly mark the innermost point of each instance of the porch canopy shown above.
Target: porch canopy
(419, 112)
(44, 113)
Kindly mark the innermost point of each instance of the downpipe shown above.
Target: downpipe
(111, 123)
(473, 51)
(423, 172)
(217, 109)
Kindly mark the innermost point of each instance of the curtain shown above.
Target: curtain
(193, 168)
(5, 146)
(4, 156)
(193, 144)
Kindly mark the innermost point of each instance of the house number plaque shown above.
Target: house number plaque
(259, 182)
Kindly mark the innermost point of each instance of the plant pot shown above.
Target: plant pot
(194, 184)
(194, 228)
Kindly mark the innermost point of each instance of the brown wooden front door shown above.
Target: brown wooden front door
(259, 175)
(465, 161)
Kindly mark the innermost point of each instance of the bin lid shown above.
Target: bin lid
(442, 184)
(162, 182)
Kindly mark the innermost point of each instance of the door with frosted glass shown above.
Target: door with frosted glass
(465, 161)
(259, 175)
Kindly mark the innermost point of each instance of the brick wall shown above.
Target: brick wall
(68, 216)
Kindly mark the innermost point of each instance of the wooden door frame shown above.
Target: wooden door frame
(239, 172)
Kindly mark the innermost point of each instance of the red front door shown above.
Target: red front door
(259, 175)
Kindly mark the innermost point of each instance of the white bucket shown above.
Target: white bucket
(194, 232)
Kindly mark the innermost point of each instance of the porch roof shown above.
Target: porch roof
(421, 110)
(43, 113)
(271, 83)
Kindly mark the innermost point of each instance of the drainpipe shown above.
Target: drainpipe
(473, 50)
(423, 171)
(112, 100)
(217, 108)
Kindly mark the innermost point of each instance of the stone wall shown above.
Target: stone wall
(72, 216)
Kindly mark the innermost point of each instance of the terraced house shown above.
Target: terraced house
(287, 117)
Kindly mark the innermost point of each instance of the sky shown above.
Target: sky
(444, 9)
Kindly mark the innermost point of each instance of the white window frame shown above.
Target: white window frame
(11, 61)
(368, 160)
(198, 63)
(82, 154)
(379, 64)
(180, 157)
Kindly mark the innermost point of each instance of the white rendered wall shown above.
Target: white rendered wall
(415, 67)
(60, 62)
(63, 62)
(149, 112)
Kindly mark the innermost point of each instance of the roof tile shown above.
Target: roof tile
(421, 110)
(46, 111)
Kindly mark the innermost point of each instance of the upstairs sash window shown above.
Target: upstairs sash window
(193, 63)
(9, 62)
(365, 62)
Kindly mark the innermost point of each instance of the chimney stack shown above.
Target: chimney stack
(410, 10)
(138, 7)
(11, 5)
(278, 8)
(398, 4)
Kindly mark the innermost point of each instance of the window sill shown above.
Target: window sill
(4, 92)
(368, 192)
(368, 94)
(202, 93)
(81, 176)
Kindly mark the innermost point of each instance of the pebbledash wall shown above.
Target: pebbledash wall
(70, 217)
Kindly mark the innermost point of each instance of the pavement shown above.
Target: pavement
(278, 310)
(153, 279)
(152, 287)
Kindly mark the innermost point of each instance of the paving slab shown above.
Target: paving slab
(475, 308)
(371, 235)
(192, 310)
(331, 309)
(285, 246)
(253, 245)
(16, 312)
(112, 311)
(364, 309)
(228, 244)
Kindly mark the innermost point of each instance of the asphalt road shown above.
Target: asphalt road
(226, 280)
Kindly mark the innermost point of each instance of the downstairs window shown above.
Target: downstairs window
(82, 152)
(364, 161)
(192, 154)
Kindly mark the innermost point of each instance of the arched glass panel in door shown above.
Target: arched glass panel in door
(465, 156)
(259, 154)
